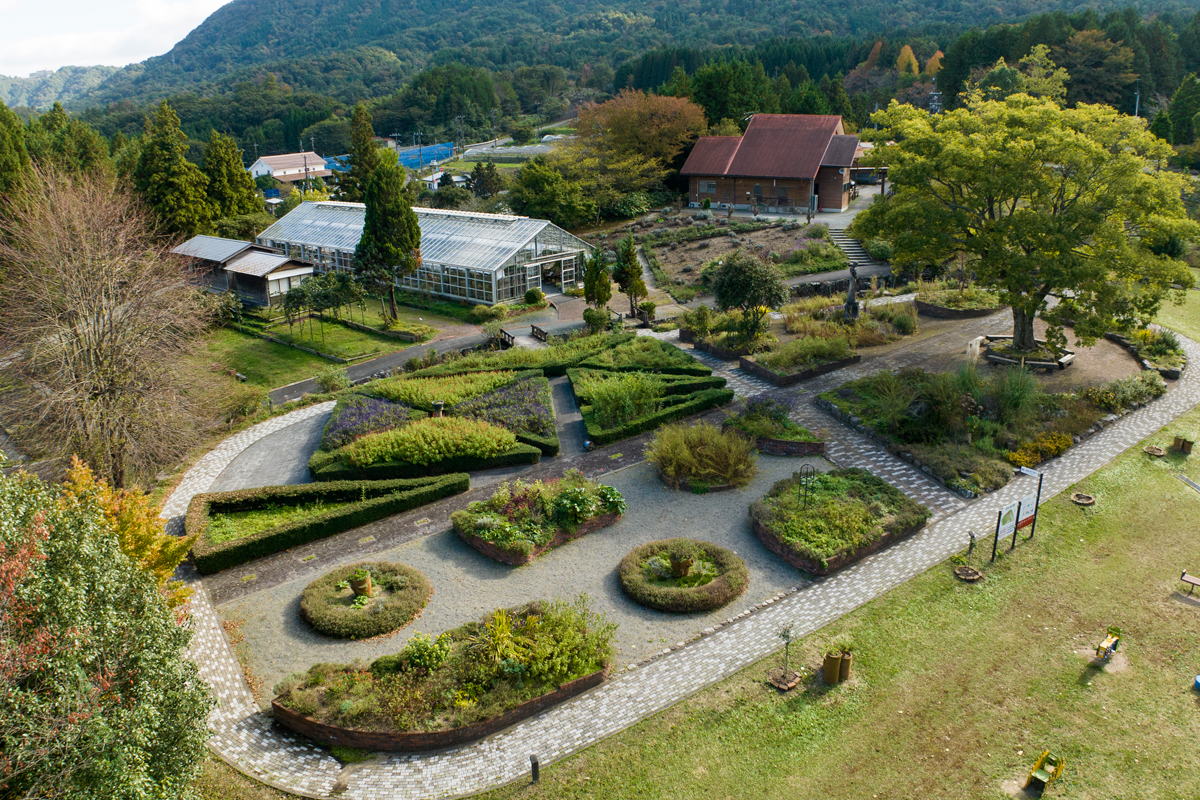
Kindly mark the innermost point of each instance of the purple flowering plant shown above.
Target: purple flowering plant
(358, 415)
(524, 406)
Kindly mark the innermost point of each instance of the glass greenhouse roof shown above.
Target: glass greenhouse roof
(453, 238)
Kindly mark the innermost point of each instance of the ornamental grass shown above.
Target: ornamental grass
(702, 454)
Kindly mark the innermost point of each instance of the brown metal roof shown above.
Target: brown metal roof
(774, 146)
(841, 151)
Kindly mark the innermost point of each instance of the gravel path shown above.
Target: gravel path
(467, 584)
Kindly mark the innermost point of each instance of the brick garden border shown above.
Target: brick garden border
(430, 740)
(560, 537)
(716, 350)
(748, 364)
(780, 548)
(1171, 373)
(943, 312)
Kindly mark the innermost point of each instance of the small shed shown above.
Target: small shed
(255, 272)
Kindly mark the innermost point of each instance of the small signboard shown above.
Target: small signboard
(1028, 510)
(1008, 520)
(1028, 471)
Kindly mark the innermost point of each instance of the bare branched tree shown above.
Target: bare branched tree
(96, 315)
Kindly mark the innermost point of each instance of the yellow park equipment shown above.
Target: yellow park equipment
(1111, 642)
(1045, 771)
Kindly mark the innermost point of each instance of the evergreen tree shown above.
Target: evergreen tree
(835, 91)
(390, 247)
(364, 157)
(230, 187)
(597, 280)
(628, 273)
(678, 85)
(1184, 105)
(485, 180)
(1161, 126)
(173, 187)
(69, 144)
(14, 160)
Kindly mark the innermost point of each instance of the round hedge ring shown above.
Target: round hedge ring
(398, 593)
(682, 575)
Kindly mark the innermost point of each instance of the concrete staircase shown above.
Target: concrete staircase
(856, 252)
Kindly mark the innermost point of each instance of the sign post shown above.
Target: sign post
(1033, 499)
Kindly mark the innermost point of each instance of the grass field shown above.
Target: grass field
(1185, 318)
(956, 688)
(264, 363)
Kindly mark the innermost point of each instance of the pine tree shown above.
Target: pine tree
(1184, 105)
(14, 160)
(597, 280)
(364, 157)
(1161, 126)
(390, 247)
(173, 187)
(230, 187)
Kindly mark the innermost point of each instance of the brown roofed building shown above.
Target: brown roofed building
(291, 167)
(779, 163)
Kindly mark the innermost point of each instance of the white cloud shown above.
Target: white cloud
(56, 33)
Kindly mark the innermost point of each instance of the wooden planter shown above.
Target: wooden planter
(942, 312)
(748, 364)
(560, 537)
(410, 742)
(781, 549)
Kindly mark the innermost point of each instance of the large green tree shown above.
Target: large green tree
(173, 187)
(1047, 202)
(390, 247)
(59, 141)
(597, 280)
(1184, 106)
(747, 283)
(14, 160)
(733, 89)
(97, 696)
(1100, 70)
(230, 187)
(628, 273)
(364, 157)
(541, 191)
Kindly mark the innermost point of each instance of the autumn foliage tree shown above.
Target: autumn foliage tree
(653, 126)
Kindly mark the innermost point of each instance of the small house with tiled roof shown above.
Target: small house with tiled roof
(782, 163)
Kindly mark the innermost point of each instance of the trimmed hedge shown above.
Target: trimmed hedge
(684, 406)
(549, 445)
(321, 603)
(330, 469)
(511, 378)
(375, 500)
(672, 384)
(732, 579)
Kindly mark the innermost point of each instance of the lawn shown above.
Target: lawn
(338, 340)
(264, 363)
(958, 687)
(1184, 319)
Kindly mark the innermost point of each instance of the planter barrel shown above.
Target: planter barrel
(361, 586)
(833, 668)
(844, 669)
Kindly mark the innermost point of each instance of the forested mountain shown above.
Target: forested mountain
(305, 37)
(61, 86)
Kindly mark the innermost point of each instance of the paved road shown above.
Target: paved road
(278, 460)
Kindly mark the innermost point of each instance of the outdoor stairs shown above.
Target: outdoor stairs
(856, 252)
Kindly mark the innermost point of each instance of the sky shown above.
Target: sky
(48, 34)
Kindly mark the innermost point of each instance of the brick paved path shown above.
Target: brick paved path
(247, 738)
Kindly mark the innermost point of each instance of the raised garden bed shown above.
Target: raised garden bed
(785, 447)
(239, 526)
(682, 575)
(419, 700)
(944, 312)
(1172, 372)
(520, 521)
(338, 606)
(850, 514)
(993, 357)
(751, 365)
(723, 353)
(765, 419)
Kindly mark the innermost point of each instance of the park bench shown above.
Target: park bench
(1190, 579)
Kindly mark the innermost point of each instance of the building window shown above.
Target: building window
(783, 193)
(845, 187)
(758, 190)
(707, 187)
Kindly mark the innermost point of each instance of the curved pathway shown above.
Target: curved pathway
(247, 738)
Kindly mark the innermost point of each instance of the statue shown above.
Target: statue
(852, 295)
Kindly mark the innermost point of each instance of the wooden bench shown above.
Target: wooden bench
(1189, 579)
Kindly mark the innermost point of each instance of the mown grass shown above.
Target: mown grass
(957, 687)
(337, 339)
(264, 363)
(1184, 319)
(240, 524)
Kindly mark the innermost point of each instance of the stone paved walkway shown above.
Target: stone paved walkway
(248, 739)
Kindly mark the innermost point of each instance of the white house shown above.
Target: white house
(291, 167)
(431, 182)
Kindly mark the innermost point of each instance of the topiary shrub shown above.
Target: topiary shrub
(595, 319)
(330, 606)
(682, 575)
(534, 296)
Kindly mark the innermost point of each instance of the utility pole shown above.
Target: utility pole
(935, 99)
(313, 141)
(1137, 97)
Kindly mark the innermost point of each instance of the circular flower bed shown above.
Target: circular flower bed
(682, 575)
(343, 605)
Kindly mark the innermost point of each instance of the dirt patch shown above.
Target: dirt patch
(1117, 662)
(685, 260)
(1014, 789)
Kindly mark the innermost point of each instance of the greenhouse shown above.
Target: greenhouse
(481, 258)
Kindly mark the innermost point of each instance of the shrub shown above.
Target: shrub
(328, 603)
(767, 416)
(624, 397)
(703, 454)
(801, 354)
(645, 579)
(1044, 446)
(697, 320)
(673, 408)
(520, 516)
(948, 460)
(367, 501)
(595, 319)
(423, 392)
(534, 296)
(482, 313)
(648, 309)
(878, 249)
(707, 204)
(906, 324)
(646, 354)
(332, 378)
(429, 441)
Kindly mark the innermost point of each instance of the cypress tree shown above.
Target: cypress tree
(1161, 126)
(364, 157)
(390, 247)
(14, 160)
(597, 280)
(230, 187)
(1184, 105)
(171, 185)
